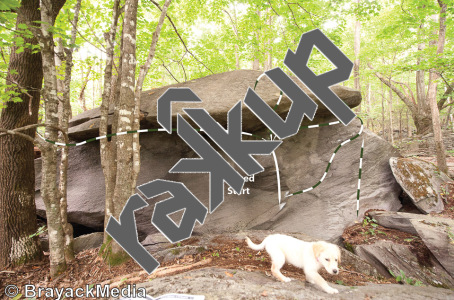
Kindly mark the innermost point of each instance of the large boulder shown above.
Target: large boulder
(303, 158)
(422, 181)
(219, 93)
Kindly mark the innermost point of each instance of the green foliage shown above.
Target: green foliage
(402, 278)
(40, 231)
(340, 282)
(6, 5)
(450, 233)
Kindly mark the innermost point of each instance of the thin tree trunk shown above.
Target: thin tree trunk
(49, 190)
(82, 89)
(409, 133)
(357, 49)
(138, 91)
(106, 147)
(390, 113)
(368, 107)
(65, 115)
(383, 111)
(432, 94)
(256, 60)
(124, 183)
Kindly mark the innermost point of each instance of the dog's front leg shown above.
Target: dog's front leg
(315, 278)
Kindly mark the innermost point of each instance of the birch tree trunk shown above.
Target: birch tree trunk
(106, 147)
(65, 115)
(125, 181)
(138, 91)
(49, 189)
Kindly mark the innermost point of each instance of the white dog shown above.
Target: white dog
(308, 256)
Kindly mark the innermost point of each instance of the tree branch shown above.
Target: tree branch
(179, 36)
(18, 132)
(294, 19)
(269, 2)
(409, 103)
(168, 70)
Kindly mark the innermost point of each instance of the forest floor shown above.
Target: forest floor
(88, 268)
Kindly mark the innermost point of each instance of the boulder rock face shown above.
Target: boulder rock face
(386, 255)
(421, 181)
(88, 241)
(219, 93)
(439, 238)
(302, 160)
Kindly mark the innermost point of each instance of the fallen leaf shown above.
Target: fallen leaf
(264, 293)
(228, 274)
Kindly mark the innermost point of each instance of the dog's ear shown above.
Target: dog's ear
(339, 256)
(317, 248)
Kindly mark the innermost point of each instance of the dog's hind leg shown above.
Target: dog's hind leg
(278, 261)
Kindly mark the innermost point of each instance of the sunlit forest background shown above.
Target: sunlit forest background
(395, 39)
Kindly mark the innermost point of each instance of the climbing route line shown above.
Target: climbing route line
(359, 178)
(332, 158)
(123, 133)
(248, 134)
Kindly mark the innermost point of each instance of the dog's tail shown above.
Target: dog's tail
(255, 246)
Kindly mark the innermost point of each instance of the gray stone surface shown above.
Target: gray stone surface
(214, 284)
(435, 234)
(386, 255)
(88, 241)
(421, 181)
(396, 220)
(323, 212)
(404, 221)
(219, 93)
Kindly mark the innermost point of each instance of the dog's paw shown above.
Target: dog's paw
(332, 291)
(286, 279)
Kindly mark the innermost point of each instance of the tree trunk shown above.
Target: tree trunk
(138, 91)
(125, 181)
(390, 113)
(357, 45)
(49, 189)
(106, 147)
(368, 107)
(432, 94)
(256, 60)
(383, 111)
(409, 133)
(82, 89)
(17, 179)
(65, 115)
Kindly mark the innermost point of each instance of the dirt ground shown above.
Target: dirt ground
(89, 268)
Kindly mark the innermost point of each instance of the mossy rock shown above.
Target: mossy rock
(421, 180)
